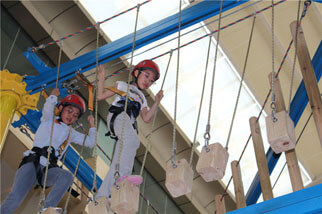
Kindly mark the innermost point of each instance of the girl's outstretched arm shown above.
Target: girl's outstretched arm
(146, 114)
(101, 92)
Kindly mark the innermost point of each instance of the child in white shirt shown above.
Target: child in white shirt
(145, 74)
(32, 168)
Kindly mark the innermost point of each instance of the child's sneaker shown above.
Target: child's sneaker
(133, 179)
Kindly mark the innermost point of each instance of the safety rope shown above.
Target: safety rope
(74, 175)
(207, 133)
(241, 83)
(42, 46)
(149, 142)
(11, 48)
(174, 143)
(94, 187)
(201, 101)
(41, 203)
(149, 203)
(117, 166)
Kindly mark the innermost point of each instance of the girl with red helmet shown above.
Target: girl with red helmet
(145, 73)
(32, 168)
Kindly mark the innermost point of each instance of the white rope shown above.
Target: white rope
(273, 101)
(117, 167)
(207, 133)
(11, 48)
(75, 172)
(174, 143)
(201, 101)
(41, 203)
(241, 83)
(149, 142)
(94, 187)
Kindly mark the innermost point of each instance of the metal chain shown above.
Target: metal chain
(207, 133)
(201, 101)
(42, 196)
(174, 143)
(241, 82)
(149, 142)
(117, 166)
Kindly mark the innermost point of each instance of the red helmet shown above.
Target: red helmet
(74, 100)
(147, 65)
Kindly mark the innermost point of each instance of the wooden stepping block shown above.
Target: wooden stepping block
(212, 164)
(125, 200)
(101, 206)
(53, 210)
(281, 134)
(179, 180)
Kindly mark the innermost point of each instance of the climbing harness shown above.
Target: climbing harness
(133, 109)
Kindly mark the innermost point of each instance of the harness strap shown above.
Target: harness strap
(63, 145)
(133, 109)
(35, 158)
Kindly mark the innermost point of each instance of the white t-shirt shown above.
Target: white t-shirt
(134, 93)
(60, 131)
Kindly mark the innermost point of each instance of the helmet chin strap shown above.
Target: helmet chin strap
(136, 80)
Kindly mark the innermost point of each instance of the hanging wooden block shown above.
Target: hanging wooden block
(125, 200)
(281, 134)
(53, 210)
(212, 164)
(179, 179)
(101, 205)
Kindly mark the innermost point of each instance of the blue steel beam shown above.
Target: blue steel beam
(84, 173)
(298, 105)
(122, 46)
(306, 201)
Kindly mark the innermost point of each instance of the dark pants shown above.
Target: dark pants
(59, 179)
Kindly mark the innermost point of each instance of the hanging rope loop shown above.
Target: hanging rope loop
(273, 105)
(207, 137)
(307, 3)
(173, 161)
(117, 176)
